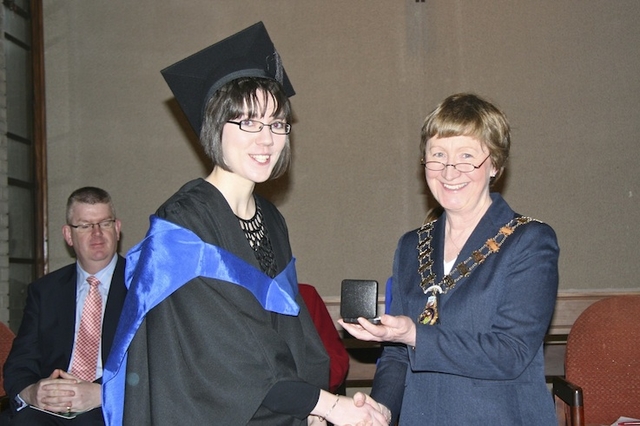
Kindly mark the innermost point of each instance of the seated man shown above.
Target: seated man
(54, 368)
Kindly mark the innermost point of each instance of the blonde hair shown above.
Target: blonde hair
(466, 114)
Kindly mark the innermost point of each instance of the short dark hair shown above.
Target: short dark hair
(467, 114)
(228, 103)
(89, 195)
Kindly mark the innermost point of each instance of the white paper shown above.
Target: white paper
(624, 419)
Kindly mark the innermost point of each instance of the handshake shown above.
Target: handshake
(361, 410)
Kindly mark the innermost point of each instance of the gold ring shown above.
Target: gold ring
(68, 409)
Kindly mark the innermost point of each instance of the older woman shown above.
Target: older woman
(473, 290)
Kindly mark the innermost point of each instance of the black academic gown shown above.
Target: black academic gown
(209, 353)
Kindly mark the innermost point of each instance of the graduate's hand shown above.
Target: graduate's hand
(316, 421)
(343, 411)
(398, 329)
(361, 398)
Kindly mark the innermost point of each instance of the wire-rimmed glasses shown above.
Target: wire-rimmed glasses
(255, 126)
(438, 166)
(103, 225)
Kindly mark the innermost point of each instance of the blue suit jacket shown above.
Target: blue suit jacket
(45, 339)
(483, 363)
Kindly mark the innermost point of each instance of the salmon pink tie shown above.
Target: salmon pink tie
(85, 359)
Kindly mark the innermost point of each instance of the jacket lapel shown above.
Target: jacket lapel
(115, 300)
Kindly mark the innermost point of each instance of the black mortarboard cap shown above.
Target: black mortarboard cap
(248, 53)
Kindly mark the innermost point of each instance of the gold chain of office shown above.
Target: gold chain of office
(463, 269)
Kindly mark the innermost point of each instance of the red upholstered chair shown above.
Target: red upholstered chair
(339, 357)
(602, 364)
(6, 340)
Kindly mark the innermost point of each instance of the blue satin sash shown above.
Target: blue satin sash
(167, 258)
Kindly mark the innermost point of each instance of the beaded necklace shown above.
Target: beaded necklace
(463, 269)
(258, 238)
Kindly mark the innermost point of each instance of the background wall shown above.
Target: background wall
(366, 74)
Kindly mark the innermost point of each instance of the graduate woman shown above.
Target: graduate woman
(215, 332)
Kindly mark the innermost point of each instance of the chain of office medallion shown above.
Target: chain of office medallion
(464, 268)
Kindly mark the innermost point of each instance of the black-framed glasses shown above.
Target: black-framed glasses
(438, 166)
(254, 126)
(103, 225)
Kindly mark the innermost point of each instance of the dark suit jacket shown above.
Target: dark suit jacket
(45, 339)
(483, 363)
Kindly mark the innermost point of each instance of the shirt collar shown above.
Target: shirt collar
(104, 275)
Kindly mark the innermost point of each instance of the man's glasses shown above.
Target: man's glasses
(254, 126)
(438, 166)
(104, 225)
